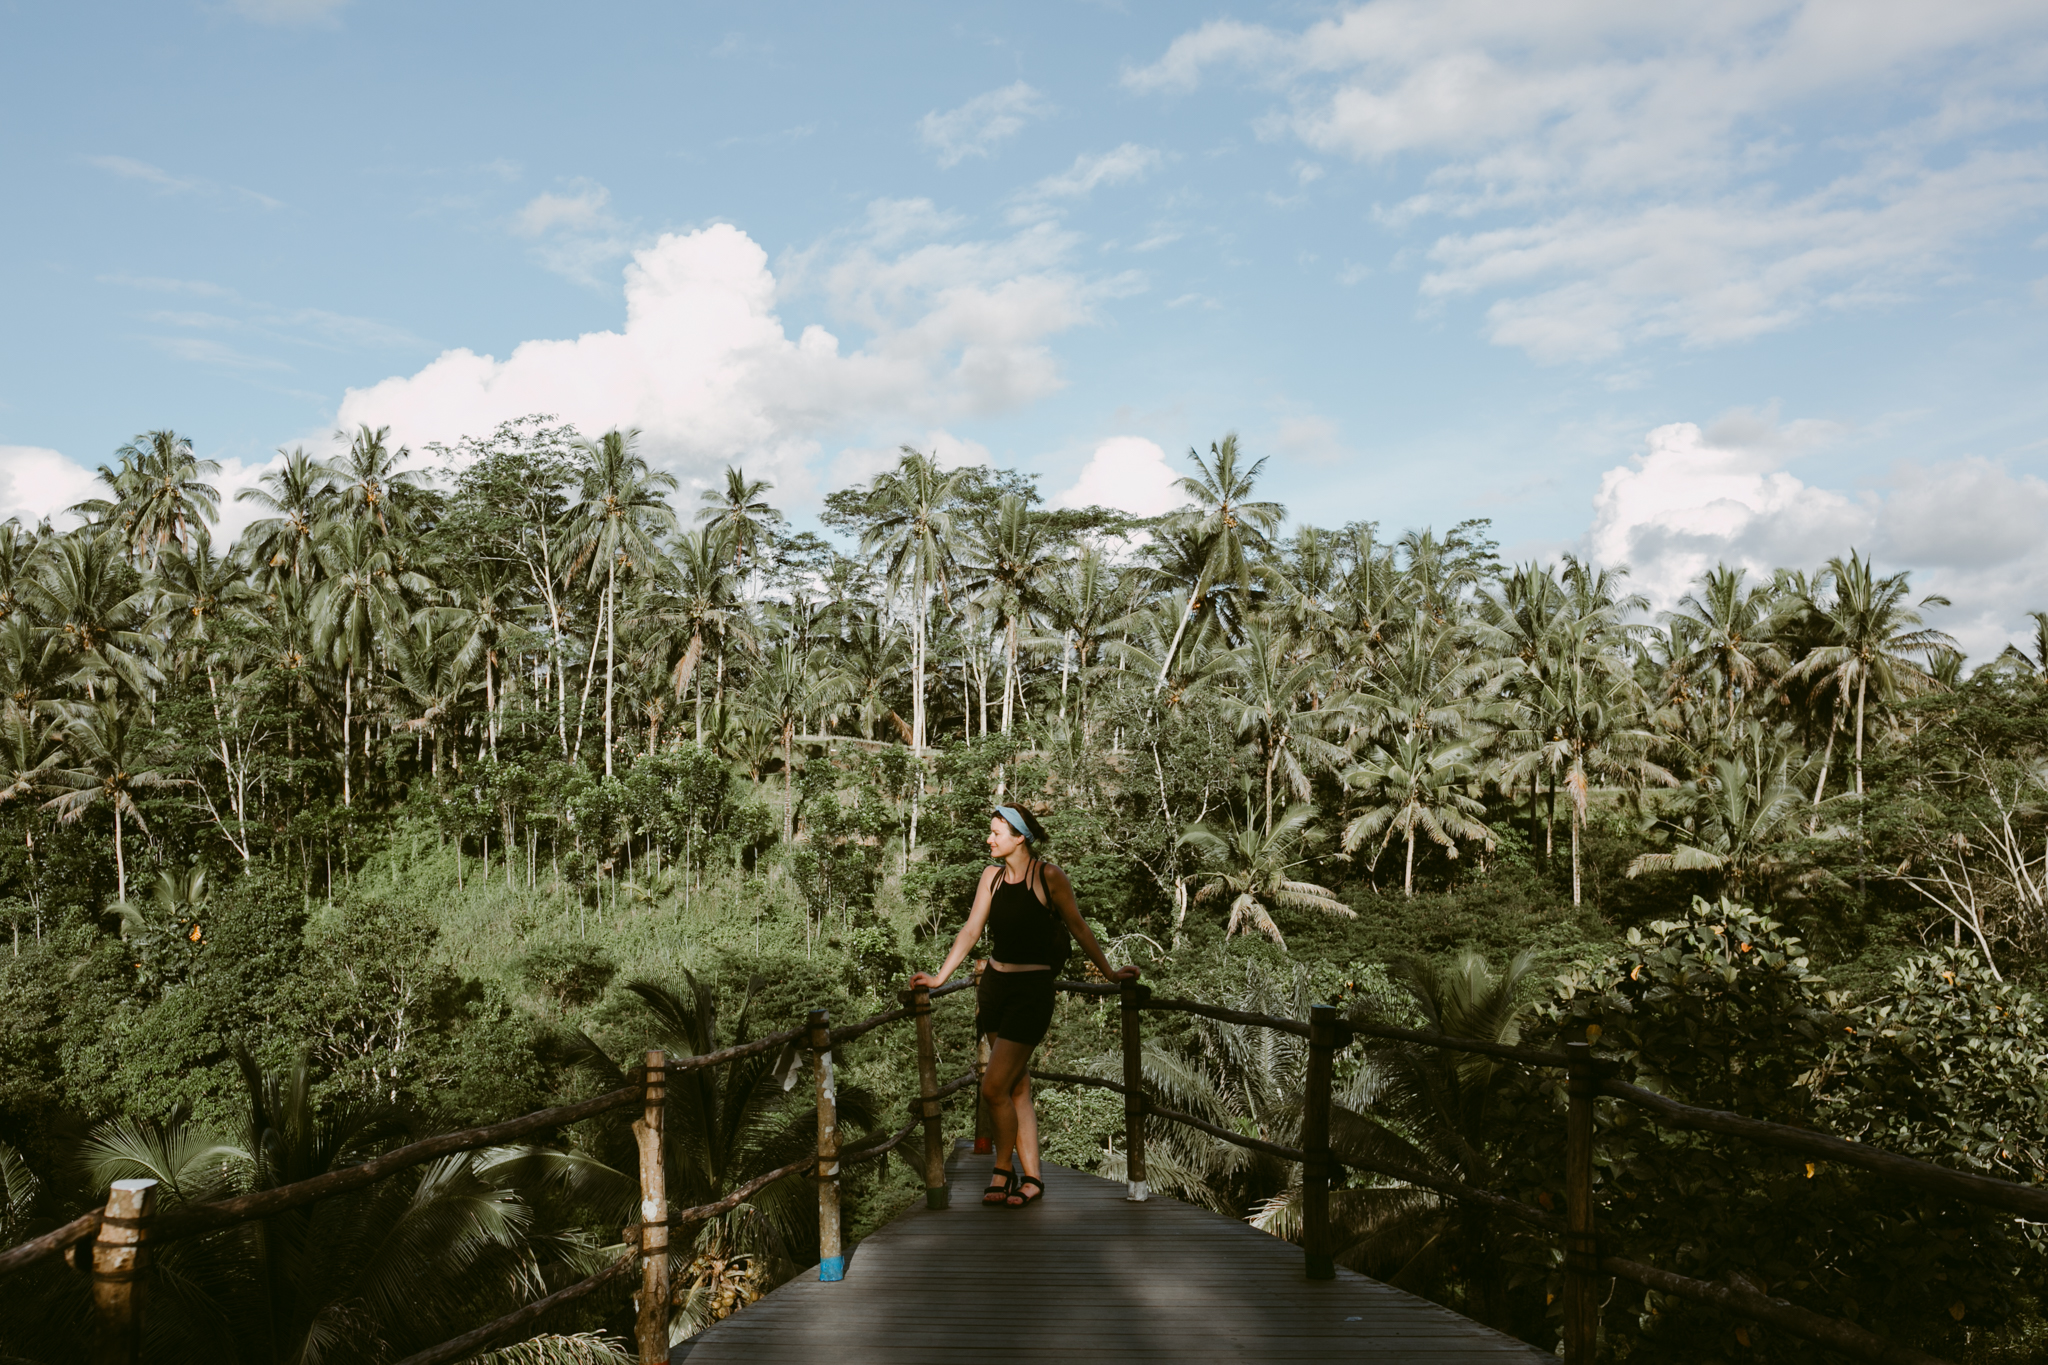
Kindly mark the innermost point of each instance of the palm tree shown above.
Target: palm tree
(1742, 815)
(741, 512)
(92, 603)
(1282, 703)
(1086, 601)
(19, 550)
(1593, 705)
(1432, 1110)
(1872, 636)
(1012, 556)
(107, 745)
(785, 690)
(1731, 633)
(370, 1274)
(1231, 526)
(705, 601)
(369, 480)
(1417, 785)
(355, 609)
(620, 506)
(159, 492)
(485, 617)
(1254, 869)
(300, 497)
(912, 534)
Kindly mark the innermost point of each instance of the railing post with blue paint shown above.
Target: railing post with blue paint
(650, 1136)
(1131, 998)
(927, 1101)
(831, 1260)
(1315, 1144)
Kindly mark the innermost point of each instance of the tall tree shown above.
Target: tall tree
(300, 496)
(1232, 525)
(1873, 636)
(1732, 634)
(742, 512)
(355, 610)
(111, 766)
(1007, 562)
(911, 532)
(620, 507)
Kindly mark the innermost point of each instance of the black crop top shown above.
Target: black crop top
(1023, 930)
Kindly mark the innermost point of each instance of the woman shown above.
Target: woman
(1028, 906)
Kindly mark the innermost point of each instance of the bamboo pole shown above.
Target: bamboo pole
(1131, 997)
(119, 1255)
(1581, 1251)
(831, 1260)
(1315, 1145)
(651, 1322)
(928, 1103)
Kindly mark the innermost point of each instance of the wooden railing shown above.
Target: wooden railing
(114, 1243)
(1587, 1077)
(120, 1235)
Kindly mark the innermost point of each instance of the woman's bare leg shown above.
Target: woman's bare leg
(1026, 1119)
(1007, 1064)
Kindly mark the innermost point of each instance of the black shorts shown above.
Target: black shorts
(1015, 1005)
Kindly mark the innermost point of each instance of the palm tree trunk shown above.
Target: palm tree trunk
(1408, 873)
(1166, 664)
(348, 699)
(611, 634)
(1575, 854)
(589, 676)
(1009, 668)
(1862, 685)
(1550, 821)
(788, 808)
(1827, 756)
(1269, 790)
(120, 860)
(491, 700)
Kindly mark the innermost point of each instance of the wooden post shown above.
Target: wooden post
(928, 1103)
(651, 1326)
(1581, 1252)
(1130, 996)
(831, 1260)
(119, 1255)
(1315, 1144)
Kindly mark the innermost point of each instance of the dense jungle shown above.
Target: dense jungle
(467, 773)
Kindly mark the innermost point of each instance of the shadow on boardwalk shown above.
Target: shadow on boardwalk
(1086, 1275)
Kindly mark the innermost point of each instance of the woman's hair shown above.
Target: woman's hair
(1039, 834)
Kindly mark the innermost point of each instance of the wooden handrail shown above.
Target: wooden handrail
(2024, 1200)
(77, 1230)
(196, 1218)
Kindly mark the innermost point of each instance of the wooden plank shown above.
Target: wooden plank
(1086, 1275)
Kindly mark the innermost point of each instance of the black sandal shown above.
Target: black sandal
(1024, 1196)
(1000, 1185)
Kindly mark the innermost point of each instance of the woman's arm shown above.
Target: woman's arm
(1062, 893)
(963, 942)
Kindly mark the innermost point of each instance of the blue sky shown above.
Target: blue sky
(1662, 287)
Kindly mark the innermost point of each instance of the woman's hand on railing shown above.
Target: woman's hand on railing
(924, 981)
(1129, 972)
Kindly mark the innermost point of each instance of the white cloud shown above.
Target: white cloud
(706, 368)
(1113, 167)
(576, 234)
(128, 168)
(1967, 528)
(548, 212)
(37, 482)
(1643, 167)
(1128, 473)
(977, 126)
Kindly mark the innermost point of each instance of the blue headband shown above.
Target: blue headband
(1014, 818)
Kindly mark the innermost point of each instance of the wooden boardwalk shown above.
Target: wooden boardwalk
(1086, 1275)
